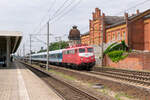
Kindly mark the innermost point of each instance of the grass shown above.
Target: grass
(62, 75)
(118, 96)
(104, 90)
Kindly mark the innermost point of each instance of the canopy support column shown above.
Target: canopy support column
(8, 45)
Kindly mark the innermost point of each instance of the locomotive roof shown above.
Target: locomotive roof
(78, 47)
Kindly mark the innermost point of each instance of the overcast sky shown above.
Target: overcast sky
(28, 16)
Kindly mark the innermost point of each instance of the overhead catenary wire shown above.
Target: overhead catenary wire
(61, 7)
(62, 10)
(53, 5)
(134, 6)
(49, 9)
(65, 13)
(61, 15)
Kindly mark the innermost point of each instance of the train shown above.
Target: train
(78, 57)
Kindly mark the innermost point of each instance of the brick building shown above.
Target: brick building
(134, 29)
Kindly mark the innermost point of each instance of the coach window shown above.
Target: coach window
(90, 49)
(57, 55)
(81, 50)
(43, 56)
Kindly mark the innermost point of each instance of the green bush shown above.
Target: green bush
(116, 56)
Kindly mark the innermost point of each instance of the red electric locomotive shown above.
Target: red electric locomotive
(79, 56)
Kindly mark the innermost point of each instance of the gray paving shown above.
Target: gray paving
(19, 83)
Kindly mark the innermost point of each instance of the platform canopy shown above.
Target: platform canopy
(15, 39)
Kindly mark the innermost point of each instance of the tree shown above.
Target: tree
(58, 45)
(55, 46)
(32, 52)
(42, 50)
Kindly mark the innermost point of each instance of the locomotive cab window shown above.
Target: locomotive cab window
(81, 50)
(90, 49)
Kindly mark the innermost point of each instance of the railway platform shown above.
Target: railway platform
(19, 83)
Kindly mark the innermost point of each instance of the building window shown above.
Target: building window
(113, 36)
(109, 37)
(118, 35)
(124, 35)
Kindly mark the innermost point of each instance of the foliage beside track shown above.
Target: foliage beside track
(116, 56)
(117, 51)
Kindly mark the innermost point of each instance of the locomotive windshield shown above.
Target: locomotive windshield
(90, 49)
(81, 50)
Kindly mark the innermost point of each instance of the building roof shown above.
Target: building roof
(148, 16)
(122, 20)
(116, 24)
(113, 19)
(84, 34)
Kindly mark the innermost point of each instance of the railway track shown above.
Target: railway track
(137, 77)
(125, 77)
(67, 91)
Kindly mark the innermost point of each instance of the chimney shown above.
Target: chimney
(137, 11)
(96, 9)
(90, 23)
(126, 15)
(93, 15)
(98, 12)
(103, 15)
